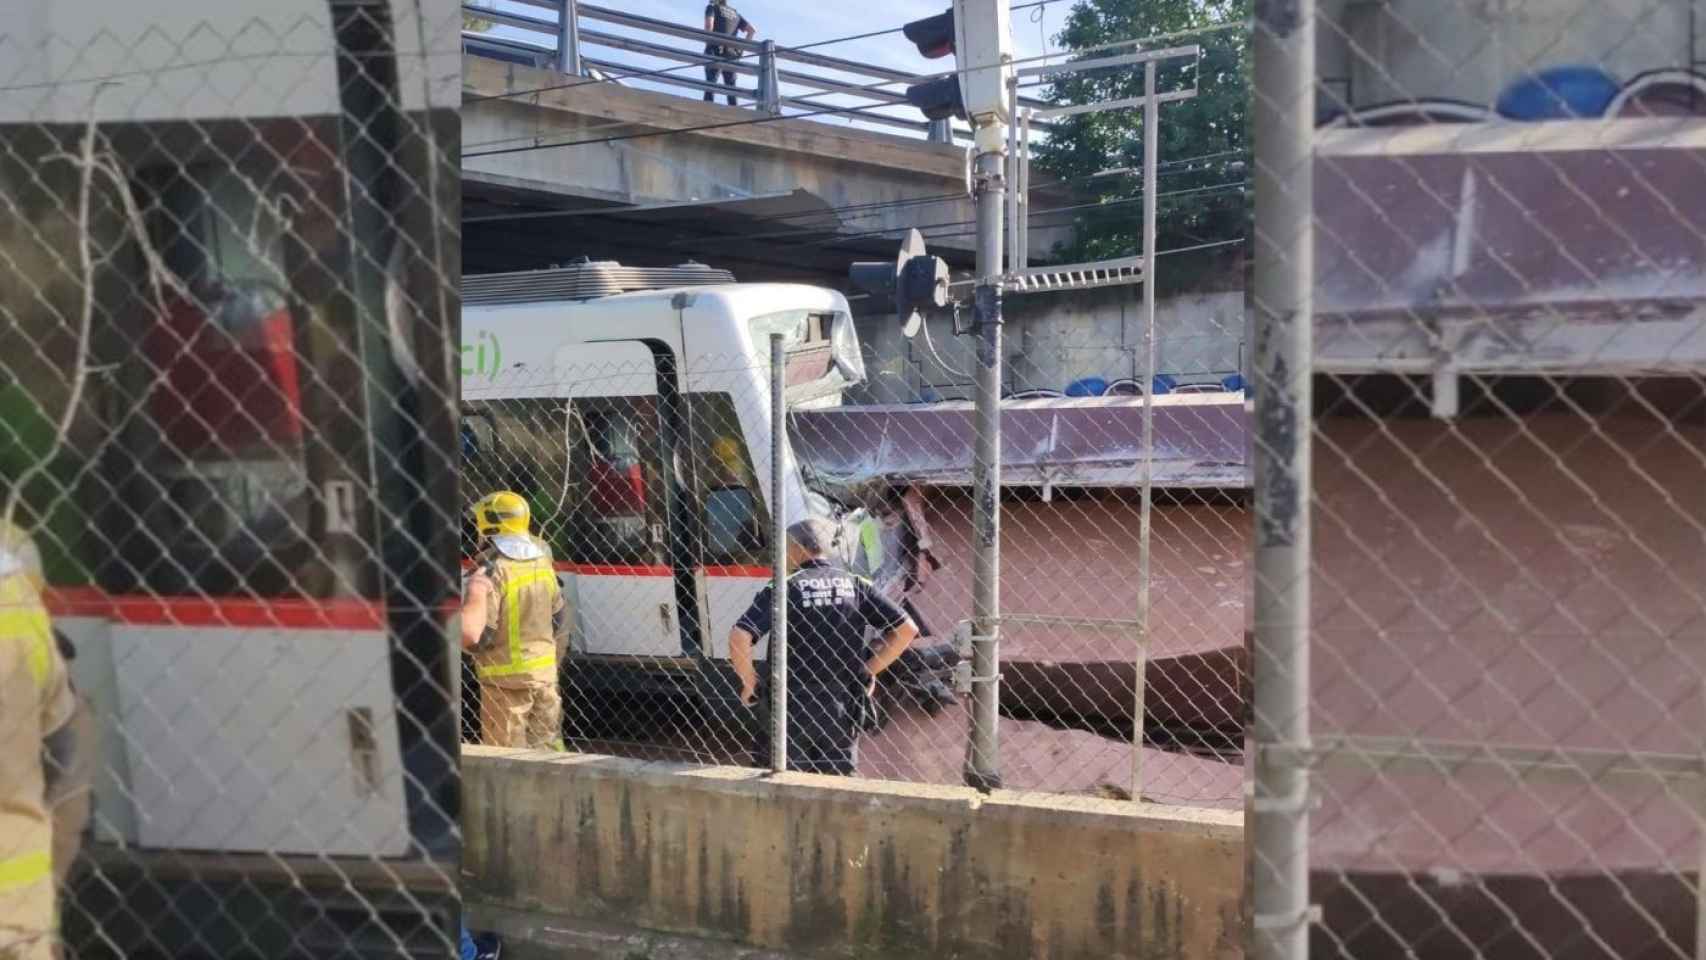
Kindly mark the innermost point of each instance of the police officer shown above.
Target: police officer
(830, 676)
(36, 744)
(515, 622)
(722, 18)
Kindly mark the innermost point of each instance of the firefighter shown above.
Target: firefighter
(37, 743)
(72, 794)
(830, 675)
(515, 622)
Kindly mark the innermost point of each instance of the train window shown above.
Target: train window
(617, 514)
(520, 445)
(730, 499)
(796, 326)
(215, 445)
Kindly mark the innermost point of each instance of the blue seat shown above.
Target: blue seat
(1087, 387)
(1559, 93)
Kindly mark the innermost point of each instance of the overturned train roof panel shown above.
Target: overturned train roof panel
(1562, 246)
(1201, 441)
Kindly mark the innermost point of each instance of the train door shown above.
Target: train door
(727, 504)
(263, 696)
(592, 447)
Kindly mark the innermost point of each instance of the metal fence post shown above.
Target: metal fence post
(1151, 152)
(769, 80)
(1284, 50)
(778, 557)
(569, 39)
(983, 762)
(1700, 878)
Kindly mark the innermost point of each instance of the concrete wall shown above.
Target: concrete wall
(824, 867)
(1399, 49)
(1055, 339)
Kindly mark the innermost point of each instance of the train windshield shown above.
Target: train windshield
(822, 346)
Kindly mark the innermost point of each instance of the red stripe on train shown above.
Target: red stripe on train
(649, 570)
(227, 612)
(657, 570)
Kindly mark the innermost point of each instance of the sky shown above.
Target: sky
(795, 22)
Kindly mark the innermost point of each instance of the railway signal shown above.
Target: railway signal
(979, 36)
(917, 281)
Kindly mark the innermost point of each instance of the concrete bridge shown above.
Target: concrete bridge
(555, 167)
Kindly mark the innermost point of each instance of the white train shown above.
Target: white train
(265, 657)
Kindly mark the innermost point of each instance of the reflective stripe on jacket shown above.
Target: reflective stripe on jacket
(522, 643)
(35, 700)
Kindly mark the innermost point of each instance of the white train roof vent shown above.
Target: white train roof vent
(585, 279)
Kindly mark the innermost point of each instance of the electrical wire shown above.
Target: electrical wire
(1124, 201)
(872, 234)
(755, 121)
(931, 344)
(967, 378)
(865, 209)
(703, 60)
(645, 134)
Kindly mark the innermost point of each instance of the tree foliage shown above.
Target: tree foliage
(476, 24)
(1204, 142)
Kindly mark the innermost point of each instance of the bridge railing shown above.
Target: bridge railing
(582, 39)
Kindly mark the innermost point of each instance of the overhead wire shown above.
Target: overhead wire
(875, 207)
(868, 208)
(769, 118)
(932, 231)
(1099, 205)
(931, 345)
(702, 60)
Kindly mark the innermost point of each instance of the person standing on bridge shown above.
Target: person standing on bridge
(515, 622)
(722, 18)
(37, 746)
(830, 676)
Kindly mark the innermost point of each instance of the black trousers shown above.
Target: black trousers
(711, 71)
(823, 730)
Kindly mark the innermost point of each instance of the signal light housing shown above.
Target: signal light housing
(916, 281)
(979, 35)
(934, 36)
(938, 99)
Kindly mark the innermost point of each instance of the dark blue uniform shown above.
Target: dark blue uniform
(829, 610)
(725, 20)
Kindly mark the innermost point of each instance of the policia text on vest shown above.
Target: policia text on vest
(515, 622)
(830, 677)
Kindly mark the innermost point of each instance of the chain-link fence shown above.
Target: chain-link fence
(228, 267)
(1479, 604)
(646, 455)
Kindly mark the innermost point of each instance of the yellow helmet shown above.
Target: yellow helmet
(501, 512)
(727, 452)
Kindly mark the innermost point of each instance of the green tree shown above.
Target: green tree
(476, 24)
(48, 505)
(1204, 142)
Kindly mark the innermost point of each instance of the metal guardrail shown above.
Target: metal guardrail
(565, 43)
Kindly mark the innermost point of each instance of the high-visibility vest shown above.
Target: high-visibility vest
(35, 699)
(871, 539)
(524, 598)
